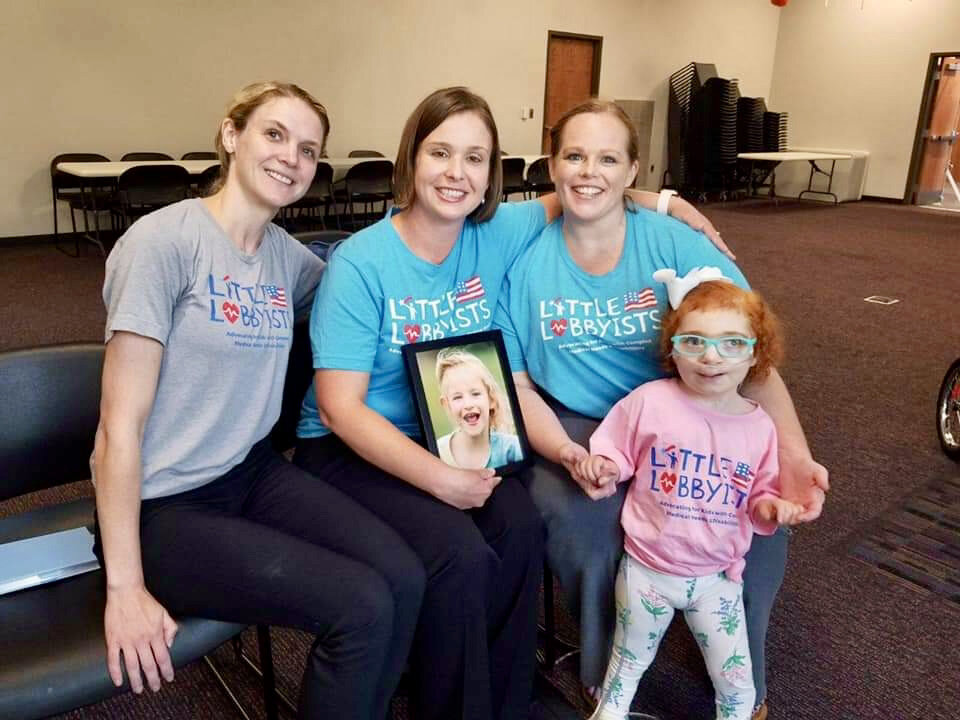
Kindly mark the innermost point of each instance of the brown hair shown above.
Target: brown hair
(246, 101)
(595, 105)
(427, 117)
(715, 294)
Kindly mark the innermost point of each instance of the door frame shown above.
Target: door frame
(597, 41)
(923, 119)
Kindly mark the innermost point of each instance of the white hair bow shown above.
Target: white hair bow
(678, 287)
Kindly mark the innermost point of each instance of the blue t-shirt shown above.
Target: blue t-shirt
(588, 340)
(377, 296)
(504, 449)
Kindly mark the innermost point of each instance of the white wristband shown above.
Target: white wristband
(664, 200)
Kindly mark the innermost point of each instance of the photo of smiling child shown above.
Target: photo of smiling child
(476, 406)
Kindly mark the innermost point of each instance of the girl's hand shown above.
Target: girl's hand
(600, 471)
(465, 489)
(780, 511)
(572, 456)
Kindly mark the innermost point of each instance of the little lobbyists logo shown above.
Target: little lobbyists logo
(249, 306)
(632, 313)
(703, 476)
(462, 309)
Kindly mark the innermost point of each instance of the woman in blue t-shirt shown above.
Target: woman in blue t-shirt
(433, 268)
(580, 313)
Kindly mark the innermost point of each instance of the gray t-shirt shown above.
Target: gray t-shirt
(226, 322)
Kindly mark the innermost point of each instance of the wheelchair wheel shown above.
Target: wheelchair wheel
(948, 412)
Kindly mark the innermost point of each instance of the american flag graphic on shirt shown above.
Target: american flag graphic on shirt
(276, 295)
(470, 289)
(637, 300)
(742, 475)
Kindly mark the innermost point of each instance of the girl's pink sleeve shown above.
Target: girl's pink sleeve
(766, 485)
(618, 436)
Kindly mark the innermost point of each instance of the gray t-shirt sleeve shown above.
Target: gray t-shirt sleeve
(146, 274)
(311, 270)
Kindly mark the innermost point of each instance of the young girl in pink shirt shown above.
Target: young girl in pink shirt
(703, 460)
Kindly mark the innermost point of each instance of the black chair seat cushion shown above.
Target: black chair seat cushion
(52, 652)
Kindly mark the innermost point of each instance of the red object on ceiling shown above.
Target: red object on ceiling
(778, 3)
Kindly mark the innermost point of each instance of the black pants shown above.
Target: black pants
(268, 543)
(475, 648)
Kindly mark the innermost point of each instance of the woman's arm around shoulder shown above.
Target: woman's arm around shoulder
(135, 624)
(803, 480)
(681, 210)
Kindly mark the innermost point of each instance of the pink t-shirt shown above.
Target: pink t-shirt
(697, 476)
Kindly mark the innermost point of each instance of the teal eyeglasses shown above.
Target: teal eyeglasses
(733, 347)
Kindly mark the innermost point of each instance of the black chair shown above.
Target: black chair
(318, 197)
(513, 175)
(146, 188)
(538, 178)
(146, 156)
(203, 183)
(555, 648)
(368, 182)
(66, 188)
(365, 153)
(200, 155)
(323, 243)
(51, 637)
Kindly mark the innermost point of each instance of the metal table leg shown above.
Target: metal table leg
(815, 169)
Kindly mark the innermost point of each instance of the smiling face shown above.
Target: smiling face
(453, 168)
(274, 157)
(592, 168)
(710, 376)
(465, 397)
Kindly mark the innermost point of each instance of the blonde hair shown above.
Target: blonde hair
(500, 418)
(243, 105)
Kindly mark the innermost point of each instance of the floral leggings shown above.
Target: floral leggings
(713, 608)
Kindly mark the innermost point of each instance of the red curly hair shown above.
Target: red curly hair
(718, 294)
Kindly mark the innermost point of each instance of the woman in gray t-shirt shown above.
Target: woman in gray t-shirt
(197, 514)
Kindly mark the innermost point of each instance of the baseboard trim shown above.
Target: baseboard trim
(888, 200)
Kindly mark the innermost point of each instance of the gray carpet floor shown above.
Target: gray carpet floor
(849, 639)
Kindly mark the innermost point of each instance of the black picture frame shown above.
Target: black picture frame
(511, 456)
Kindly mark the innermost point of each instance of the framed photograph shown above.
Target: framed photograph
(467, 403)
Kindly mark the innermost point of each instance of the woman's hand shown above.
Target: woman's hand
(572, 457)
(688, 214)
(465, 489)
(803, 481)
(136, 625)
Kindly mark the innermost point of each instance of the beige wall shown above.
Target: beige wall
(109, 76)
(853, 79)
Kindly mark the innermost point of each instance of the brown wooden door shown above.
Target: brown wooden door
(955, 160)
(940, 139)
(573, 75)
